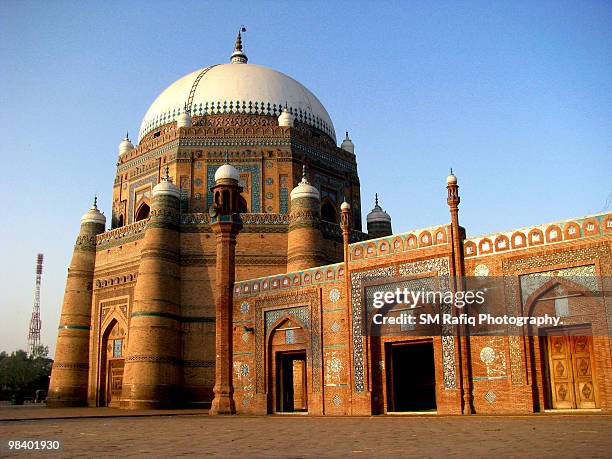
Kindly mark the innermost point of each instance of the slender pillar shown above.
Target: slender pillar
(226, 224)
(457, 236)
(152, 377)
(345, 225)
(68, 385)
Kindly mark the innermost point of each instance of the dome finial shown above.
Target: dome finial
(238, 57)
(127, 135)
(376, 199)
(166, 175)
(95, 203)
(304, 173)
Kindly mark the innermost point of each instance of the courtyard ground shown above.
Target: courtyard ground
(113, 433)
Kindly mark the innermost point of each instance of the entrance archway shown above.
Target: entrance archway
(411, 377)
(112, 364)
(561, 359)
(288, 367)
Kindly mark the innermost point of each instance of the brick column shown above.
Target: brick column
(69, 376)
(226, 228)
(457, 235)
(226, 224)
(152, 377)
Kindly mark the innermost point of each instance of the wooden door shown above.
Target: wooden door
(584, 378)
(115, 376)
(572, 379)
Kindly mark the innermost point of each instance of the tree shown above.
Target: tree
(23, 374)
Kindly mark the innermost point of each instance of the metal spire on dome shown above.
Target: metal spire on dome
(238, 57)
(376, 199)
(95, 203)
(166, 175)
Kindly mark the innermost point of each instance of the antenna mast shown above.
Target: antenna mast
(35, 324)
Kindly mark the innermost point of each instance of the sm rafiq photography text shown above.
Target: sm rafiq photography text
(413, 299)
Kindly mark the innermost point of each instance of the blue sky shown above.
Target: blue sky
(515, 96)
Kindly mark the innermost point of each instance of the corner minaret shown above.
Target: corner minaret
(68, 385)
(226, 224)
(152, 377)
(379, 221)
(304, 238)
(238, 57)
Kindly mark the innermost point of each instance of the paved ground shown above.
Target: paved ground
(200, 435)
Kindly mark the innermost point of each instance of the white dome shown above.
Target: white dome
(183, 120)
(451, 179)
(125, 146)
(93, 215)
(347, 144)
(345, 206)
(238, 88)
(286, 118)
(227, 171)
(305, 190)
(166, 187)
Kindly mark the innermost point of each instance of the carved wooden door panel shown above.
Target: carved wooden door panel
(584, 380)
(561, 377)
(116, 379)
(572, 377)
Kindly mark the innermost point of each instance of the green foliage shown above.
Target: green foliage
(24, 374)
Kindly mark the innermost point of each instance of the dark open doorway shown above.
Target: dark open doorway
(291, 393)
(411, 377)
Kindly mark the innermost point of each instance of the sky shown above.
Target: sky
(515, 96)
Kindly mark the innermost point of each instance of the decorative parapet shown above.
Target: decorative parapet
(333, 231)
(279, 282)
(397, 243)
(253, 222)
(121, 235)
(535, 236)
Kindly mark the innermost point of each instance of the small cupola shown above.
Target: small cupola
(347, 144)
(304, 189)
(125, 145)
(165, 187)
(379, 221)
(286, 118)
(93, 215)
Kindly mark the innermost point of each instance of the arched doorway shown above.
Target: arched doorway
(562, 359)
(328, 212)
(288, 367)
(111, 364)
(142, 212)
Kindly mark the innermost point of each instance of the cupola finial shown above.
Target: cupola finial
(238, 57)
(95, 203)
(376, 199)
(166, 176)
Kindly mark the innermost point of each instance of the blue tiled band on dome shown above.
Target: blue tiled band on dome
(237, 107)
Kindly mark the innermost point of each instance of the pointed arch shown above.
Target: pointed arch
(142, 212)
(328, 211)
